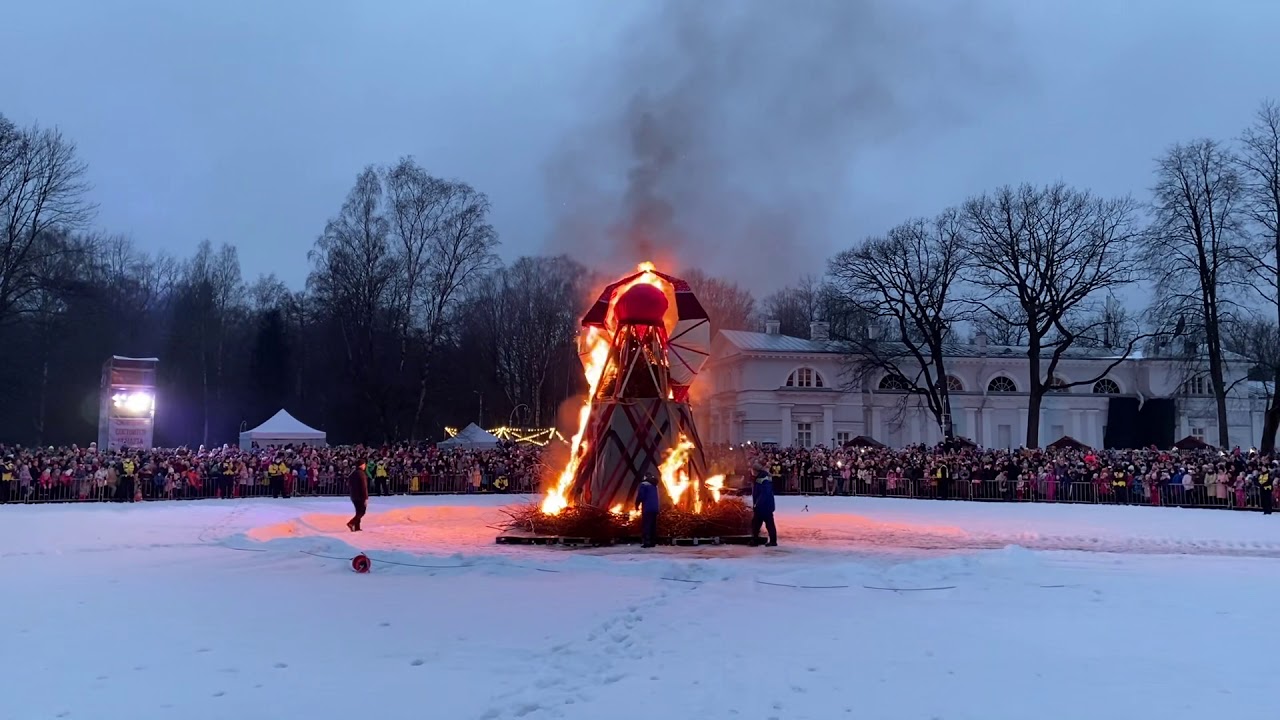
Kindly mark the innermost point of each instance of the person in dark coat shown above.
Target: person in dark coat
(358, 483)
(647, 503)
(763, 507)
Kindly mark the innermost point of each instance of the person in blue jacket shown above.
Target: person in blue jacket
(647, 504)
(762, 514)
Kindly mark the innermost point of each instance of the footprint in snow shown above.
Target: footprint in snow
(203, 650)
(281, 666)
(417, 661)
(384, 624)
(527, 709)
(220, 693)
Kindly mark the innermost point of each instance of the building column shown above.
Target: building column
(786, 440)
(876, 431)
(1040, 425)
(1022, 427)
(829, 425)
(987, 438)
(971, 423)
(1094, 430)
(1076, 430)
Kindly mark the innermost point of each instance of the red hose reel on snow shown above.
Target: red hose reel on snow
(361, 563)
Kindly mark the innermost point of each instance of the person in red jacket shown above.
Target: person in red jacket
(358, 483)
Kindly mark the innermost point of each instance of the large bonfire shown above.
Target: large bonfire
(642, 344)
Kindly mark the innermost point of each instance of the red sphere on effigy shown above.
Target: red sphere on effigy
(641, 304)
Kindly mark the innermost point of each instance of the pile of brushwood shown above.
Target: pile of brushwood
(728, 517)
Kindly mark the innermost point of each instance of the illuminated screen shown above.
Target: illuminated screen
(134, 403)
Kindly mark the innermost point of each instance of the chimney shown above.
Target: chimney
(981, 341)
(819, 331)
(771, 327)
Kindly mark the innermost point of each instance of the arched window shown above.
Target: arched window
(1001, 384)
(1058, 385)
(954, 384)
(1106, 386)
(893, 382)
(805, 378)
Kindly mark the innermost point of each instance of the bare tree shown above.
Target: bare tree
(353, 275)
(42, 189)
(1005, 326)
(1258, 341)
(1259, 166)
(1046, 257)
(904, 281)
(268, 293)
(728, 306)
(1113, 327)
(796, 307)
(214, 292)
(457, 253)
(528, 312)
(1195, 251)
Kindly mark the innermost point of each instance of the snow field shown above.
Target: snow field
(146, 611)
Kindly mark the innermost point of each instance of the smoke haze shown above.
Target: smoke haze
(728, 131)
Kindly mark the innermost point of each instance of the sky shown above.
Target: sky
(750, 139)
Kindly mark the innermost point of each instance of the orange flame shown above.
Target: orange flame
(715, 484)
(597, 341)
(672, 470)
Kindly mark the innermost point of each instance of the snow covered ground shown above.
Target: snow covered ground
(216, 610)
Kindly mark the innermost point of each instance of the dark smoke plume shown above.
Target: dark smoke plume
(726, 133)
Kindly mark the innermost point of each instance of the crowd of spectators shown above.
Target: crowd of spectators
(76, 473)
(1239, 478)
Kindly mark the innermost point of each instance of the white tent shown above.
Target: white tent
(281, 429)
(472, 437)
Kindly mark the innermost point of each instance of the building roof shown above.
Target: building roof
(765, 342)
(749, 341)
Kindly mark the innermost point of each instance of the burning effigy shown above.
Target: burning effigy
(642, 344)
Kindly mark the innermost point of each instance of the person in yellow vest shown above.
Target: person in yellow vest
(381, 477)
(942, 478)
(1120, 486)
(7, 478)
(275, 476)
(227, 478)
(1266, 489)
(126, 485)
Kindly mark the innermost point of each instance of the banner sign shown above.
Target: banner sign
(129, 432)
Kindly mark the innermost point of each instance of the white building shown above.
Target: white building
(772, 388)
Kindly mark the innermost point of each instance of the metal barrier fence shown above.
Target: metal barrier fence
(218, 488)
(1029, 491)
(1035, 491)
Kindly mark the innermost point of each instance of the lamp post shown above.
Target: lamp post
(511, 421)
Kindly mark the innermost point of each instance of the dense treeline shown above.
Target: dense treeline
(409, 321)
